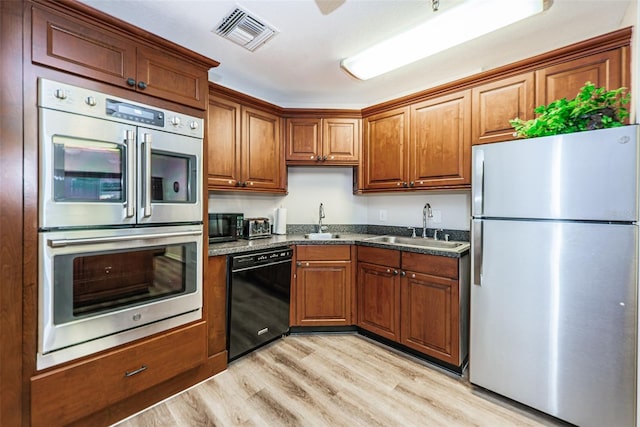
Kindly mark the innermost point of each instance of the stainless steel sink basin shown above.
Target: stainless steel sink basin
(417, 241)
(321, 236)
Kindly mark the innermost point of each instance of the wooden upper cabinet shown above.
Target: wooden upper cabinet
(495, 103)
(340, 140)
(303, 139)
(245, 148)
(262, 157)
(79, 46)
(440, 153)
(320, 141)
(166, 76)
(565, 80)
(385, 150)
(223, 141)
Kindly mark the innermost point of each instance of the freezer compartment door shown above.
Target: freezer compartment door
(581, 176)
(553, 322)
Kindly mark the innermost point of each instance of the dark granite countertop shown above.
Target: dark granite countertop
(360, 239)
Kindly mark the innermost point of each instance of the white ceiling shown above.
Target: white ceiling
(300, 67)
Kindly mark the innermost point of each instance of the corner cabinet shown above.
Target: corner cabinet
(322, 141)
(323, 286)
(84, 46)
(245, 149)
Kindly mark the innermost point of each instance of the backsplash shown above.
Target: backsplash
(332, 186)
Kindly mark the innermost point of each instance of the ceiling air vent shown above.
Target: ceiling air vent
(245, 30)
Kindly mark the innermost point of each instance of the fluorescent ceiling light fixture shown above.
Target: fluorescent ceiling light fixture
(471, 19)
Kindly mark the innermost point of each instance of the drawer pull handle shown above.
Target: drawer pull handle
(134, 372)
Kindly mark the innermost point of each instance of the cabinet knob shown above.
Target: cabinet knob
(318, 158)
(388, 270)
(298, 263)
(405, 185)
(395, 272)
(60, 94)
(142, 85)
(324, 158)
(402, 273)
(412, 184)
(413, 276)
(398, 184)
(131, 82)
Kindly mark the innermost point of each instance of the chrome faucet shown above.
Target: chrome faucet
(320, 217)
(426, 212)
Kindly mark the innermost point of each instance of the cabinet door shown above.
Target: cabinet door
(495, 103)
(430, 316)
(441, 141)
(565, 80)
(323, 293)
(167, 76)
(379, 300)
(386, 140)
(81, 48)
(262, 157)
(340, 140)
(223, 140)
(303, 139)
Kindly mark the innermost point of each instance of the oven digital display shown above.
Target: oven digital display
(134, 113)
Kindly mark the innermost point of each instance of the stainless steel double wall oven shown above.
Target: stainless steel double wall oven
(120, 221)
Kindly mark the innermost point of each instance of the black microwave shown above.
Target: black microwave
(225, 227)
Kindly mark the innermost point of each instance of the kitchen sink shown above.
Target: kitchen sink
(321, 236)
(417, 241)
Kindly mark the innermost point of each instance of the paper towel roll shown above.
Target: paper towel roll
(280, 226)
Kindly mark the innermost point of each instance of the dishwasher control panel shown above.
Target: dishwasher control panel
(260, 258)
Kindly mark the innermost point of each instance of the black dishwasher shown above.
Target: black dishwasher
(258, 293)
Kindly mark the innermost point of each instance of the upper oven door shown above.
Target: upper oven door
(86, 171)
(170, 168)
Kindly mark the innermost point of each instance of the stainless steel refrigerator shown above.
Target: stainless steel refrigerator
(555, 273)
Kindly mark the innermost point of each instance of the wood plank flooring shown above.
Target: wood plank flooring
(334, 380)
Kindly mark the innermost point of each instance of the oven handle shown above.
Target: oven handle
(131, 182)
(146, 139)
(60, 243)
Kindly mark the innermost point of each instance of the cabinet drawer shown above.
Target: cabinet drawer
(387, 257)
(430, 264)
(72, 392)
(323, 253)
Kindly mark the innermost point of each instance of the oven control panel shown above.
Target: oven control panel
(74, 99)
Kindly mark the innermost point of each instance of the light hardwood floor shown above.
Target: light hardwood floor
(334, 380)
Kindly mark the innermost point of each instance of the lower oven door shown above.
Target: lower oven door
(102, 288)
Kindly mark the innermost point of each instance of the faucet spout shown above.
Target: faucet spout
(426, 213)
(320, 217)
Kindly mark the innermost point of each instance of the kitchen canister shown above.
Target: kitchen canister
(280, 220)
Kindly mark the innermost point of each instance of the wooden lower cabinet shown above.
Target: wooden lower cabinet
(67, 394)
(323, 286)
(414, 299)
(379, 291)
(429, 320)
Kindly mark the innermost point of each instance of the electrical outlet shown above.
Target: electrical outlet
(437, 216)
(383, 214)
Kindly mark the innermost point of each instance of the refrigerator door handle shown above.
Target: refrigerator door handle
(478, 184)
(477, 252)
